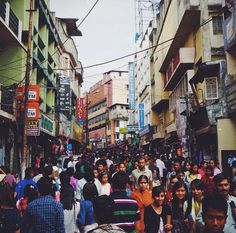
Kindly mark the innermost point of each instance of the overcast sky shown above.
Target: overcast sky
(108, 33)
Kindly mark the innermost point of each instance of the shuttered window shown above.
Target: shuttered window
(217, 25)
(211, 88)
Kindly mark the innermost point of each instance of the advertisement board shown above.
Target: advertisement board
(64, 93)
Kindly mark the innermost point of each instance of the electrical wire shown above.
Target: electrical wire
(89, 12)
(6, 64)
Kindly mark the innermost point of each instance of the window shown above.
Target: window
(117, 123)
(217, 25)
(211, 88)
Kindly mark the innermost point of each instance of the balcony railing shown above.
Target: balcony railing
(183, 61)
(10, 19)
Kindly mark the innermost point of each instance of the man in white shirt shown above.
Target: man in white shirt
(160, 165)
(222, 184)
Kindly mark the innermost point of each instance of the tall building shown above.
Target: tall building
(187, 76)
(50, 54)
(108, 110)
(143, 89)
(227, 126)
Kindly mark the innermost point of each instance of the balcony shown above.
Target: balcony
(10, 25)
(229, 29)
(159, 132)
(160, 102)
(183, 61)
(187, 10)
(118, 113)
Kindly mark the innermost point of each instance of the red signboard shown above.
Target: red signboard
(81, 112)
(32, 105)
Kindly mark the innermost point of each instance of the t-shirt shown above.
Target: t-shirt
(230, 222)
(152, 220)
(136, 173)
(126, 211)
(21, 186)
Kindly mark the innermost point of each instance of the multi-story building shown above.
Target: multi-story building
(227, 126)
(143, 89)
(47, 50)
(108, 109)
(95, 125)
(69, 73)
(117, 99)
(187, 74)
(12, 63)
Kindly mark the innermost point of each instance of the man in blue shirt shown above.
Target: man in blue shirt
(19, 190)
(44, 214)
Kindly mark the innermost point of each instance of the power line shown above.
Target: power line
(6, 64)
(77, 27)
(119, 58)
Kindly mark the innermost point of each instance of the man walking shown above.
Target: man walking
(126, 211)
(141, 170)
(44, 214)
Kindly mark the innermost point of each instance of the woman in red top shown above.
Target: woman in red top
(169, 193)
(144, 198)
(208, 180)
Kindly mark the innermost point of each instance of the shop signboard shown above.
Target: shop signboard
(132, 128)
(32, 104)
(47, 125)
(123, 130)
(33, 128)
(145, 130)
(80, 110)
(64, 93)
(32, 111)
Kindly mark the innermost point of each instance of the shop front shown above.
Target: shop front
(145, 135)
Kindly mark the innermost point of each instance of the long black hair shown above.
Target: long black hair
(175, 202)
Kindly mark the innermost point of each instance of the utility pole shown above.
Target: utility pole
(86, 126)
(188, 128)
(24, 158)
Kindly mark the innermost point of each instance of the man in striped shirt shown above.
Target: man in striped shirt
(126, 211)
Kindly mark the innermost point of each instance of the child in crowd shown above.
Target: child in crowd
(106, 187)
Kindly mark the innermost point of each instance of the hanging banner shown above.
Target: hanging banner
(131, 86)
(141, 115)
(64, 93)
(80, 110)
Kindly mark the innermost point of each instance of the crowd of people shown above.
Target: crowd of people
(122, 191)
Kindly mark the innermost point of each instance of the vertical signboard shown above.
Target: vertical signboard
(141, 115)
(131, 86)
(80, 110)
(64, 93)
